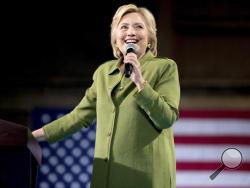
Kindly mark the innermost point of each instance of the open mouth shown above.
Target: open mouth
(131, 41)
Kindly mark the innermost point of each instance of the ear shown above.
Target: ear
(115, 43)
(149, 43)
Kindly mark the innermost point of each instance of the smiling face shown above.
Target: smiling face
(132, 29)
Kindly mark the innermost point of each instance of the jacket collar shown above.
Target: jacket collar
(115, 67)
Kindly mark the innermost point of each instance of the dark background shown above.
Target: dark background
(50, 51)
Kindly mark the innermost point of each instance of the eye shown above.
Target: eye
(124, 27)
(139, 26)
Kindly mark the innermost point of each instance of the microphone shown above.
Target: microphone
(130, 48)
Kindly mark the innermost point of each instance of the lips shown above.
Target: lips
(131, 41)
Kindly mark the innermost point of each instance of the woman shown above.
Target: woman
(134, 116)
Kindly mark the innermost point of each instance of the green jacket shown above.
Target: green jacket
(134, 136)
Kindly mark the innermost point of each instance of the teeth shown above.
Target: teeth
(130, 41)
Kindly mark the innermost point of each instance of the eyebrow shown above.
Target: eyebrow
(137, 23)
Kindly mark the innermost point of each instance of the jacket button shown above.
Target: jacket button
(121, 88)
(109, 134)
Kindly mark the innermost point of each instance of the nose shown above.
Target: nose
(131, 31)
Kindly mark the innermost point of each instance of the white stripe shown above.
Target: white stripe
(215, 127)
(201, 178)
(208, 153)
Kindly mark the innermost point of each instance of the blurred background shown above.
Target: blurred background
(50, 51)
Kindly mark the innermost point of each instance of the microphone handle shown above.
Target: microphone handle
(128, 70)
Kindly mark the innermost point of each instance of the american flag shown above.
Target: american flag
(67, 163)
(201, 136)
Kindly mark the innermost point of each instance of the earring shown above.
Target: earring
(149, 45)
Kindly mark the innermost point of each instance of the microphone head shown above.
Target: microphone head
(131, 47)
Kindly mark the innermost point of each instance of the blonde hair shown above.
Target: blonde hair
(149, 22)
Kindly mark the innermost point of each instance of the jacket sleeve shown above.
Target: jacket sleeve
(82, 115)
(161, 103)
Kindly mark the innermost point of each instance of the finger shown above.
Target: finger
(131, 55)
(131, 60)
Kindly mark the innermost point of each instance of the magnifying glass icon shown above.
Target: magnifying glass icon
(230, 158)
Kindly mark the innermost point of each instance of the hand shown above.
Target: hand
(39, 135)
(136, 75)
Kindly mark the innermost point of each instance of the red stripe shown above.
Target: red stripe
(208, 166)
(215, 114)
(244, 140)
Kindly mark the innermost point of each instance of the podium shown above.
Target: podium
(20, 156)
